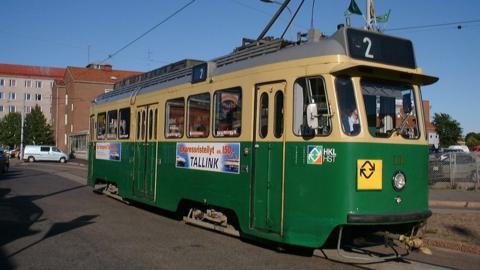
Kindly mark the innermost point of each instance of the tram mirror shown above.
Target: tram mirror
(312, 121)
(407, 103)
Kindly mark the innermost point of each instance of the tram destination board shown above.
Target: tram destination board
(380, 48)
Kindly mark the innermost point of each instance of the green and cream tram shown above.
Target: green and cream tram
(288, 142)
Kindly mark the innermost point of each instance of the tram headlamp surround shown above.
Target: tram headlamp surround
(399, 181)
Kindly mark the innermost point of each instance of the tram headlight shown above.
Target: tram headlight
(399, 181)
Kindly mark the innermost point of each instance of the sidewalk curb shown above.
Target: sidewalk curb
(454, 204)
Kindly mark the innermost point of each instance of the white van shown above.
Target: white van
(43, 153)
(459, 148)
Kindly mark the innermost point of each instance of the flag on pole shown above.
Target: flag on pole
(384, 17)
(353, 9)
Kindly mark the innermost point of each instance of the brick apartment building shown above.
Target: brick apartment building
(73, 97)
(23, 87)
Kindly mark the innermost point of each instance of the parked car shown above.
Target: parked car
(33, 153)
(476, 149)
(4, 161)
(13, 153)
(462, 148)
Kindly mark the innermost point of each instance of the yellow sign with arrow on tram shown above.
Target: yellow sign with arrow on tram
(369, 174)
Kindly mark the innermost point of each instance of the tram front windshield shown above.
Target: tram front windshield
(390, 109)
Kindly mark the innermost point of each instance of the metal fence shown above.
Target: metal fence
(455, 170)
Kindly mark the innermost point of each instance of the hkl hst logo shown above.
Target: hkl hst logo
(317, 155)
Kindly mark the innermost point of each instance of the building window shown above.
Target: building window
(2, 82)
(199, 115)
(78, 143)
(12, 83)
(12, 95)
(228, 113)
(71, 128)
(38, 97)
(38, 84)
(72, 107)
(66, 119)
(28, 96)
(28, 83)
(28, 109)
(1, 95)
(12, 108)
(124, 127)
(66, 99)
(1, 108)
(65, 139)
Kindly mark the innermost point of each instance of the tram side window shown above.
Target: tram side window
(124, 124)
(199, 115)
(308, 91)
(101, 125)
(175, 115)
(348, 106)
(228, 113)
(112, 124)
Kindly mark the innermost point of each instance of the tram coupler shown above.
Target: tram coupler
(361, 255)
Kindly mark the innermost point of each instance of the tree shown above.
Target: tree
(472, 139)
(10, 129)
(36, 130)
(448, 129)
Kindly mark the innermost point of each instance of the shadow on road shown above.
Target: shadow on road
(19, 212)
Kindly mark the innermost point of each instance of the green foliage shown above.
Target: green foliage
(472, 139)
(448, 129)
(36, 130)
(10, 129)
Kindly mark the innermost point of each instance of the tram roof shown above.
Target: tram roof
(264, 52)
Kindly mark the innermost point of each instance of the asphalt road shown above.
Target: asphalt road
(49, 219)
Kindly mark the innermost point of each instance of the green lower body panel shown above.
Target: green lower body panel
(293, 193)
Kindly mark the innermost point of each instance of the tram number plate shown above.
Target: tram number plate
(369, 174)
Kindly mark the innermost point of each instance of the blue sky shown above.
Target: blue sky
(59, 32)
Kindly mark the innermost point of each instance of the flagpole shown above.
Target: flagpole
(369, 19)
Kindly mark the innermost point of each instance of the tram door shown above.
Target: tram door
(268, 167)
(146, 151)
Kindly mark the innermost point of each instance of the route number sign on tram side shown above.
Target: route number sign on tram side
(380, 48)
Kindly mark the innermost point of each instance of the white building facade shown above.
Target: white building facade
(24, 87)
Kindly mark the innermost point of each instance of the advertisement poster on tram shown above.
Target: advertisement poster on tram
(214, 157)
(109, 151)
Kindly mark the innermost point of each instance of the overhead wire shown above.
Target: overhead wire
(110, 56)
(459, 25)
